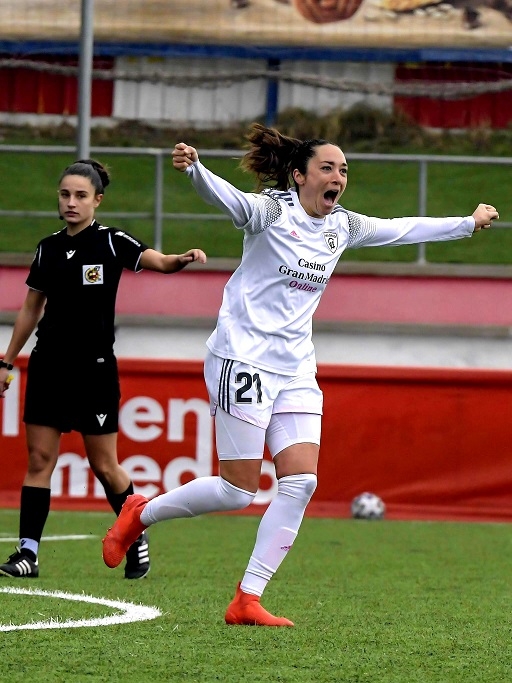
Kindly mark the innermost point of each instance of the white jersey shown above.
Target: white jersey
(265, 319)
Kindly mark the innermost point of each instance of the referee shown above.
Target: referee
(72, 377)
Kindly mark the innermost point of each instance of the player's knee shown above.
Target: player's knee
(232, 497)
(299, 486)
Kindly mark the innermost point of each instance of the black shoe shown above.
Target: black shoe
(20, 566)
(137, 558)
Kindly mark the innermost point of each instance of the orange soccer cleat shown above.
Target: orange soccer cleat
(245, 609)
(126, 530)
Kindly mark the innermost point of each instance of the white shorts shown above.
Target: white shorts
(254, 395)
(240, 440)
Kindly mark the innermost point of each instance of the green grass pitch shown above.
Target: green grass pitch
(380, 602)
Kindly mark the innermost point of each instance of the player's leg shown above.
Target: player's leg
(240, 451)
(43, 449)
(236, 439)
(281, 522)
(293, 438)
(233, 489)
(296, 467)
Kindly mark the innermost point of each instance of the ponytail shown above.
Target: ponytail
(272, 156)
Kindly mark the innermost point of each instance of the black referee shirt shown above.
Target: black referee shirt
(79, 276)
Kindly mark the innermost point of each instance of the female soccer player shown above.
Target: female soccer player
(260, 367)
(72, 379)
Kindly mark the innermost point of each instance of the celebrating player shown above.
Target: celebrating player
(72, 378)
(260, 366)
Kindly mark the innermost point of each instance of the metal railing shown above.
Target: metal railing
(158, 215)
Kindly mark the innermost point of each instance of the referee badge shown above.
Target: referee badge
(92, 275)
(331, 239)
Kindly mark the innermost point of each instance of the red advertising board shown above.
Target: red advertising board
(433, 443)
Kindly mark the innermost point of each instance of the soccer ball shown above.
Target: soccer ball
(367, 506)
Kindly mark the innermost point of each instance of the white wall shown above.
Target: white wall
(218, 105)
(188, 105)
(322, 100)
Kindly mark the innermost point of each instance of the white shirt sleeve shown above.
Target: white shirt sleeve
(366, 231)
(238, 205)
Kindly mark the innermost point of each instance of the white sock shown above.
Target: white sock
(206, 494)
(29, 544)
(277, 530)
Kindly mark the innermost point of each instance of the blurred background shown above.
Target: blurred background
(419, 96)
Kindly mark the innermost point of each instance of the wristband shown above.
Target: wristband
(3, 364)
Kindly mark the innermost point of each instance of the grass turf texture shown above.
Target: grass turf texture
(397, 602)
(375, 188)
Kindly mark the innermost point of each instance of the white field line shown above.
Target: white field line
(78, 537)
(129, 612)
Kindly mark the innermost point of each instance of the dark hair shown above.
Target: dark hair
(92, 169)
(273, 157)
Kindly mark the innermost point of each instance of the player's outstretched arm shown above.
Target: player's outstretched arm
(183, 156)
(213, 189)
(484, 214)
(170, 263)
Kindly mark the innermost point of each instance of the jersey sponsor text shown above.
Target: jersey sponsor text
(300, 275)
(120, 233)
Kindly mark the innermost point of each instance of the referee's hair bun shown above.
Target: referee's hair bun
(99, 168)
(102, 172)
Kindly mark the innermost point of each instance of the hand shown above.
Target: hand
(183, 156)
(5, 380)
(190, 256)
(484, 214)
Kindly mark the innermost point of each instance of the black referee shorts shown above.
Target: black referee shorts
(79, 395)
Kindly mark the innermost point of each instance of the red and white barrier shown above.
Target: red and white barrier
(433, 443)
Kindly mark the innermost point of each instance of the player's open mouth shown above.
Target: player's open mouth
(330, 197)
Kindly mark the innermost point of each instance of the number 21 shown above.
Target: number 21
(248, 381)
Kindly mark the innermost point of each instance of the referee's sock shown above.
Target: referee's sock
(117, 500)
(34, 509)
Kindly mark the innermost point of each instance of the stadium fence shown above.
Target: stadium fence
(158, 215)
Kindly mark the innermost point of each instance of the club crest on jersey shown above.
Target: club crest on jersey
(331, 239)
(92, 275)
